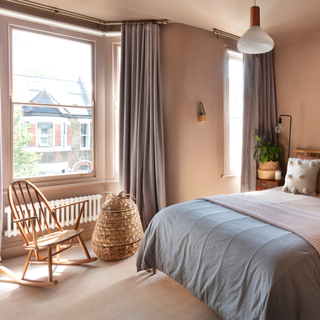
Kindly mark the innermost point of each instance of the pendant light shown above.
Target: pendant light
(255, 40)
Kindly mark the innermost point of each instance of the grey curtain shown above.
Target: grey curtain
(259, 111)
(1, 184)
(141, 126)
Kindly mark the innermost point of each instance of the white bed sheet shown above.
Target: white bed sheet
(299, 201)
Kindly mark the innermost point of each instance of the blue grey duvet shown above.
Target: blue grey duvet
(241, 267)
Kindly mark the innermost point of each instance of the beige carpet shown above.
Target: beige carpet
(100, 290)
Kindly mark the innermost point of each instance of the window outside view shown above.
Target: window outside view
(51, 94)
(116, 93)
(235, 78)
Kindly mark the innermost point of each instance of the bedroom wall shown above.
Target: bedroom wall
(297, 70)
(192, 62)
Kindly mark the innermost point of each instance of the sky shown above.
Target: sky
(52, 56)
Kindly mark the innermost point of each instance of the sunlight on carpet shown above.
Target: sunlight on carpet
(100, 290)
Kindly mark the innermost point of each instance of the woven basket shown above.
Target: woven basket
(269, 166)
(266, 175)
(267, 170)
(118, 231)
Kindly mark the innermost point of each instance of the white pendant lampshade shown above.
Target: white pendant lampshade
(255, 40)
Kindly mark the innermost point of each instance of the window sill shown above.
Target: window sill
(45, 186)
(230, 175)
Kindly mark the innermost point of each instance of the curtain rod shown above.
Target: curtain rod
(80, 16)
(225, 34)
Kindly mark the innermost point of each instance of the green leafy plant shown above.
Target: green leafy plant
(266, 152)
(25, 161)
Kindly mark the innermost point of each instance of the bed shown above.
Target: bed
(240, 266)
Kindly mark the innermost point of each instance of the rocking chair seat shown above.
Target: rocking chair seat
(53, 239)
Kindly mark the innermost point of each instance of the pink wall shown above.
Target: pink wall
(297, 71)
(192, 62)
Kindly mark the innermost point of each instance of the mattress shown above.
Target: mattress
(239, 266)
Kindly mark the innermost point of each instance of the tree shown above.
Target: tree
(25, 161)
(40, 73)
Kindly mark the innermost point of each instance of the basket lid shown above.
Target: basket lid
(120, 202)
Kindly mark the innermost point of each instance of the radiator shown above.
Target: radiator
(66, 216)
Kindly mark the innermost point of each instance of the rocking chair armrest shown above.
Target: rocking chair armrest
(34, 233)
(25, 219)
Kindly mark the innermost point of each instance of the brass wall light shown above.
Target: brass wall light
(202, 113)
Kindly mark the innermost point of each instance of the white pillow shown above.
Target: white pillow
(302, 176)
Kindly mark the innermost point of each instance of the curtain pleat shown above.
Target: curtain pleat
(259, 112)
(141, 167)
(1, 184)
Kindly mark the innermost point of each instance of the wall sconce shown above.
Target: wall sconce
(202, 115)
(279, 129)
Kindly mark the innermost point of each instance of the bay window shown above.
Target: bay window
(59, 113)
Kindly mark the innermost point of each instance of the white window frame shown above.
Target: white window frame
(227, 172)
(88, 135)
(61, 34)
(64, 134)
(41, 135)
(56, 121)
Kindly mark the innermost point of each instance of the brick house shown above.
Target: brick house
(61, 135)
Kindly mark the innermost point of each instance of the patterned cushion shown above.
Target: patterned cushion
(303, 157)
(302, 176)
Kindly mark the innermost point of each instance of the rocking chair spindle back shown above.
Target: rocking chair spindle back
(24, 197)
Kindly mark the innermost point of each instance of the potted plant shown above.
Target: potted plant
(268, 155)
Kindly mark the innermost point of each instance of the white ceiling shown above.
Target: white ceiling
(283, 20)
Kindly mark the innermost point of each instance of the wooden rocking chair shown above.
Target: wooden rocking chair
(25, 216)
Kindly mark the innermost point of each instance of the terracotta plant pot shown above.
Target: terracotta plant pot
(267, 170)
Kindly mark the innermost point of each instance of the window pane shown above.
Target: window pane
(235, 112)
(83, 142)
(45, 131)
(50, 70)
(117, 139)
(84, 128)
(47, 142)
(116, 109)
